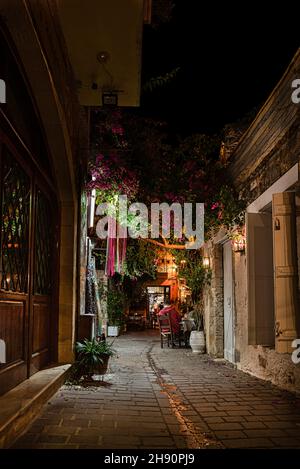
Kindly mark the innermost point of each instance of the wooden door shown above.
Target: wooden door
(42, 304)
(15, 203)
(28, 266)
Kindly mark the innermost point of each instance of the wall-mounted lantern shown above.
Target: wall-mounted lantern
(239, 243)
(206, 262)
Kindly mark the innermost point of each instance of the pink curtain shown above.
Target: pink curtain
(115, 249)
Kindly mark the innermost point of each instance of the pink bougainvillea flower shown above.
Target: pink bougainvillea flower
(117, 129)
(99, 159)
(215, 205)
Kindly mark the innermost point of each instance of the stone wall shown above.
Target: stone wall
(213, 303)
(285, 155)
(266, 151)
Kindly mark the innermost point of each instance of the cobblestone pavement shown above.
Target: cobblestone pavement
(168, 398)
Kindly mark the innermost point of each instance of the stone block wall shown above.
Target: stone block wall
(213, 303)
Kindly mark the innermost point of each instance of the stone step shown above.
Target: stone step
(22, 404)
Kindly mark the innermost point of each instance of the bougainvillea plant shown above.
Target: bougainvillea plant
(135, 157)
(111, 178)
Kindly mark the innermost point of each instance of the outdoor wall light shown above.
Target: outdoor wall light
(239, 243)
(206, 262)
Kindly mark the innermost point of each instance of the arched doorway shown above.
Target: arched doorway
(29, 233)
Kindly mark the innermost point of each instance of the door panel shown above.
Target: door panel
(228, 304)
(260, 279)
(41, 327)
(43, 282)
(15, 210)
(12, 327)
(15, 184)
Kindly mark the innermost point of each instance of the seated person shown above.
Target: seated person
(174, 316)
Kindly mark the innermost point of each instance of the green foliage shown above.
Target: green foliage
(160, 81)
(140, 259)
(226, 210)
(233, 207)
(190, 267)
(100, 258)
(115, 307)
(197, 314)
(91, 354)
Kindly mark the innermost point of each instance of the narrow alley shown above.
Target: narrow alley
(167, 398)
(149, 231)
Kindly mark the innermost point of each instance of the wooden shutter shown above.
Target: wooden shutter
(260, 279)
(286, 271)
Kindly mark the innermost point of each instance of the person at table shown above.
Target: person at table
(189, 325)
(175, 318)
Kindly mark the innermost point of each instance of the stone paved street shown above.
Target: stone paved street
(168, 398)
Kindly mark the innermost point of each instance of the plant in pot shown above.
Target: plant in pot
(197, 337)
(115, 311)
(197, 277)
(92, 358)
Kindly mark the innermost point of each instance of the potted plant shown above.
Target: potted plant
(115, 312)
(198, 276)
(92, 358)
(197, 337)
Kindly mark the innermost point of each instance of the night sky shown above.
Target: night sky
(231, 55)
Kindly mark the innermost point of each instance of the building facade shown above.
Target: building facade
(49, 81)
(252, 307)
(41, 148)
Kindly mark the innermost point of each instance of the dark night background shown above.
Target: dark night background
(231, 55)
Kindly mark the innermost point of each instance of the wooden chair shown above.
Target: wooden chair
(165, 330)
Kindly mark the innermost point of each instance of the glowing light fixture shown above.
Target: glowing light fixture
(239, 243)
